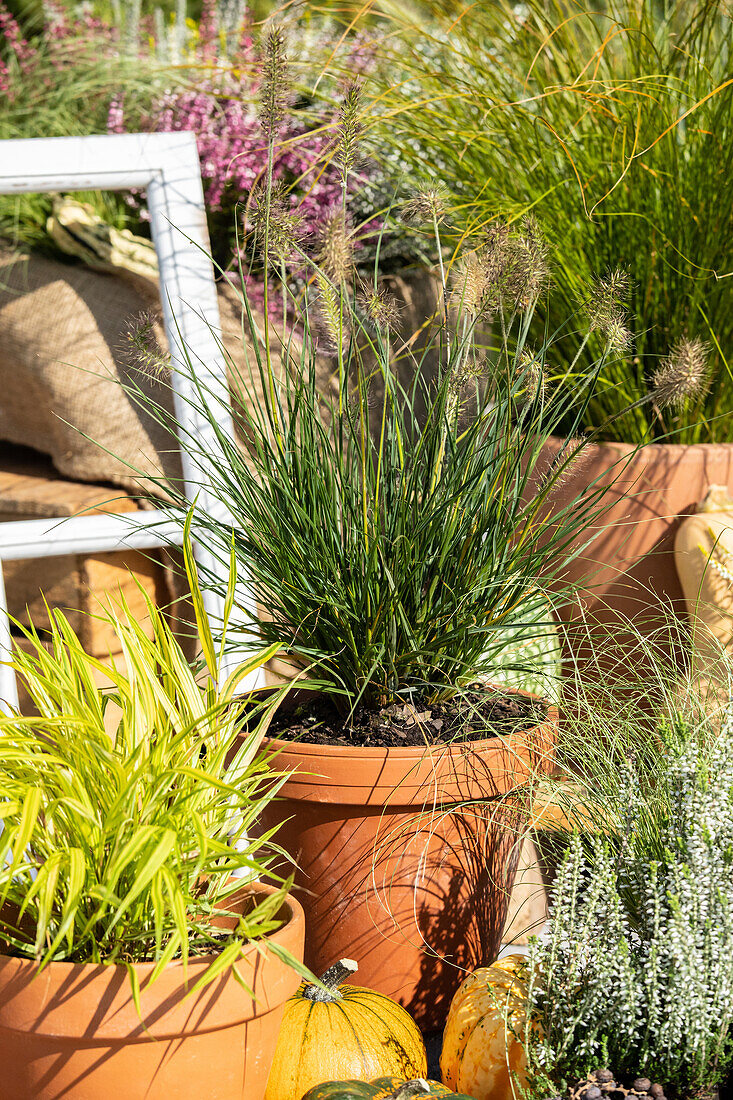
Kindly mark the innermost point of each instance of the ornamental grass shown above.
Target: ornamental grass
(401, 533)
(612, 123)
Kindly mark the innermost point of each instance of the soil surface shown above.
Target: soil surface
(479, 713)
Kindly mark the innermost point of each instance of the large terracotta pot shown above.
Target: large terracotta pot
(72, 1031)
(628, 572)
(401, 869)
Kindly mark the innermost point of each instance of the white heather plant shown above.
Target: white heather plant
(636, 971)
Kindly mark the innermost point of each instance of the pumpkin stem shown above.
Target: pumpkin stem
(417, 1087)
(333, 978)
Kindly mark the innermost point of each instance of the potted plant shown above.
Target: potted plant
(141, 946)
(635, 968)
(626, 985)
(613, 124)
(394, 541)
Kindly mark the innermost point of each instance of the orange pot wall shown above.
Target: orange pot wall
(395, 873)
(629, 570)
(72, 1031)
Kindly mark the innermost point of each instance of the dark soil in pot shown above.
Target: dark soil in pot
(476, 714)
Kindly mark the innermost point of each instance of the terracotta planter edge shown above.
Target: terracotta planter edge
(407, 776)
(169, 1009)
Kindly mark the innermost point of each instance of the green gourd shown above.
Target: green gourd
(384, 1088)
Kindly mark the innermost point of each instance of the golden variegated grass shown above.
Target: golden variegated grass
(120, 847)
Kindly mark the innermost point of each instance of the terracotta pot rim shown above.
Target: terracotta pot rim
(651, 448)
(416, 752)
(142, 969)
(412, 752)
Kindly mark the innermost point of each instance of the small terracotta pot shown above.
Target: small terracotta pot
(72, 1031)
(629, 570)
(399, 870)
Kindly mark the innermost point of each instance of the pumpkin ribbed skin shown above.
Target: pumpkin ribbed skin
(702, 542)
(382, 1089)
(360, 1035)
(480, 1056)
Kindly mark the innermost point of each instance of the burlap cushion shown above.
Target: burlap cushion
(62, 357)
(64, 352)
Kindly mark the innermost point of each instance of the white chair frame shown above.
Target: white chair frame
(167, 167)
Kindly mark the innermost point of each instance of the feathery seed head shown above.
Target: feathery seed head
(380, 306)
(607, 311)
(619, 335)
(277, 224)
(428, 204)
(516, 267)
(349, 128)
(683, 374)
(471, 283)
(337, 248)
(470, 371)
(330, 309)
(531, 375)
(534, 245)
(494, 252)
(142, 347)
(565, 464)
(273, 91)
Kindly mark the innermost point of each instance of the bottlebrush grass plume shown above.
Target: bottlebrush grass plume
(683, 374)
(607, 311)
(273, 91)
(427, 205)
(337, 248)
(380, 306)
(349, 129)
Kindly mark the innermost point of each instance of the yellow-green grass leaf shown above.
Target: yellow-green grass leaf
(202, 620)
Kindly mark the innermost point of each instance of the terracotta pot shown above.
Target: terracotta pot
(396, 872)
(629, 571)
(72, 1031)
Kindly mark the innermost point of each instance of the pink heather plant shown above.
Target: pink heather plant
(12, 38)
(219, 106)
(11, 33)
(232, 149)
(60, 46)
(208, 31)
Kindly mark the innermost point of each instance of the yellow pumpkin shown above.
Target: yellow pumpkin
(480, 1055)
(340, 1033)
(703, 549)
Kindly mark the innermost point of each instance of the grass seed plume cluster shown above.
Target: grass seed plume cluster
(397, 531)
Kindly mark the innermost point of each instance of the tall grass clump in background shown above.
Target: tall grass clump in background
(612, 123)
(399, 531)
